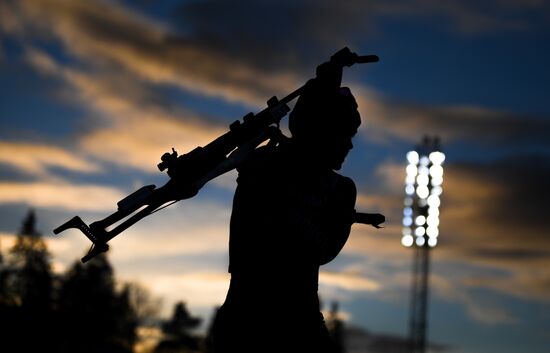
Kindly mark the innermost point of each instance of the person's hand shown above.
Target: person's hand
(377, 219)
(374, 219)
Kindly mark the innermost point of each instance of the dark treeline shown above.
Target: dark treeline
(83, 310)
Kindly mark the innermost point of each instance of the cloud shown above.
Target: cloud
(139, 125)
(348, 281)
(479, 308)
(115, 37)
(202, 289)
(223, 50)
(474, 18)
(495, 218)
(389, 119)
(492, 218)
(202, 55)
(189, 228)
(59, 248)
(7, 240)
(36, 159)
(493, 236)
(61, 195)
(131, 67)
(142, 142)
(310, 28)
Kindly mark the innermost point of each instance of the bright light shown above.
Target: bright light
(433, 211)
(436, 171)
(423, 170)
(407, 240)
(412, 157)
(424, 161)
(437, 157)
(422, 179)
(433, 220)
(436, 181)
(422, 191)
(420, 231)
(432, 232)
(433, 201)
(437, 190)
(412, 170)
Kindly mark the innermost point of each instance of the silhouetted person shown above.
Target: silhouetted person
(291, 213)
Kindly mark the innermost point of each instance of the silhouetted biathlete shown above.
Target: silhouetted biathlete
(291, 213)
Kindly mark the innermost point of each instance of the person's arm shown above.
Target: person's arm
(327, 229)
(340, 219)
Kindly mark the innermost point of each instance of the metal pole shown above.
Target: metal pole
(413, 314)
(419, 299)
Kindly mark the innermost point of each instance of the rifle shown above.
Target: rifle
(191, 171)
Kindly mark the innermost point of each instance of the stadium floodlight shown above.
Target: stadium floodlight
(423, 189)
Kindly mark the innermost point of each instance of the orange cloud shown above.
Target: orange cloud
(202, 289)
(348, 281)
(146, 48)
(135, 132)
(35, 159)
(62, 195)
(491, 219)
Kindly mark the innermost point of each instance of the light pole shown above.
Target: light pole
(423, 189)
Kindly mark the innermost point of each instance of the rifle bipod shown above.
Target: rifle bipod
(147, 200)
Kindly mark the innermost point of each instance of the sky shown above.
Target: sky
(92, 93)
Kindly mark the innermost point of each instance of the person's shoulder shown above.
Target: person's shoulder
(261, 159)
(343, 185)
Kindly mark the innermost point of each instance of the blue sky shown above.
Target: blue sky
(93, 92)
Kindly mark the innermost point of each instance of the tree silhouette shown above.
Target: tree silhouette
(93, 316)
(177, 332)
(336, 329)
(9, 313)
(80, 311)
(30, 256)
(5, 296)
(29, 282)
(145, 306)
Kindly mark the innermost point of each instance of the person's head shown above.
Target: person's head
(324, 124)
